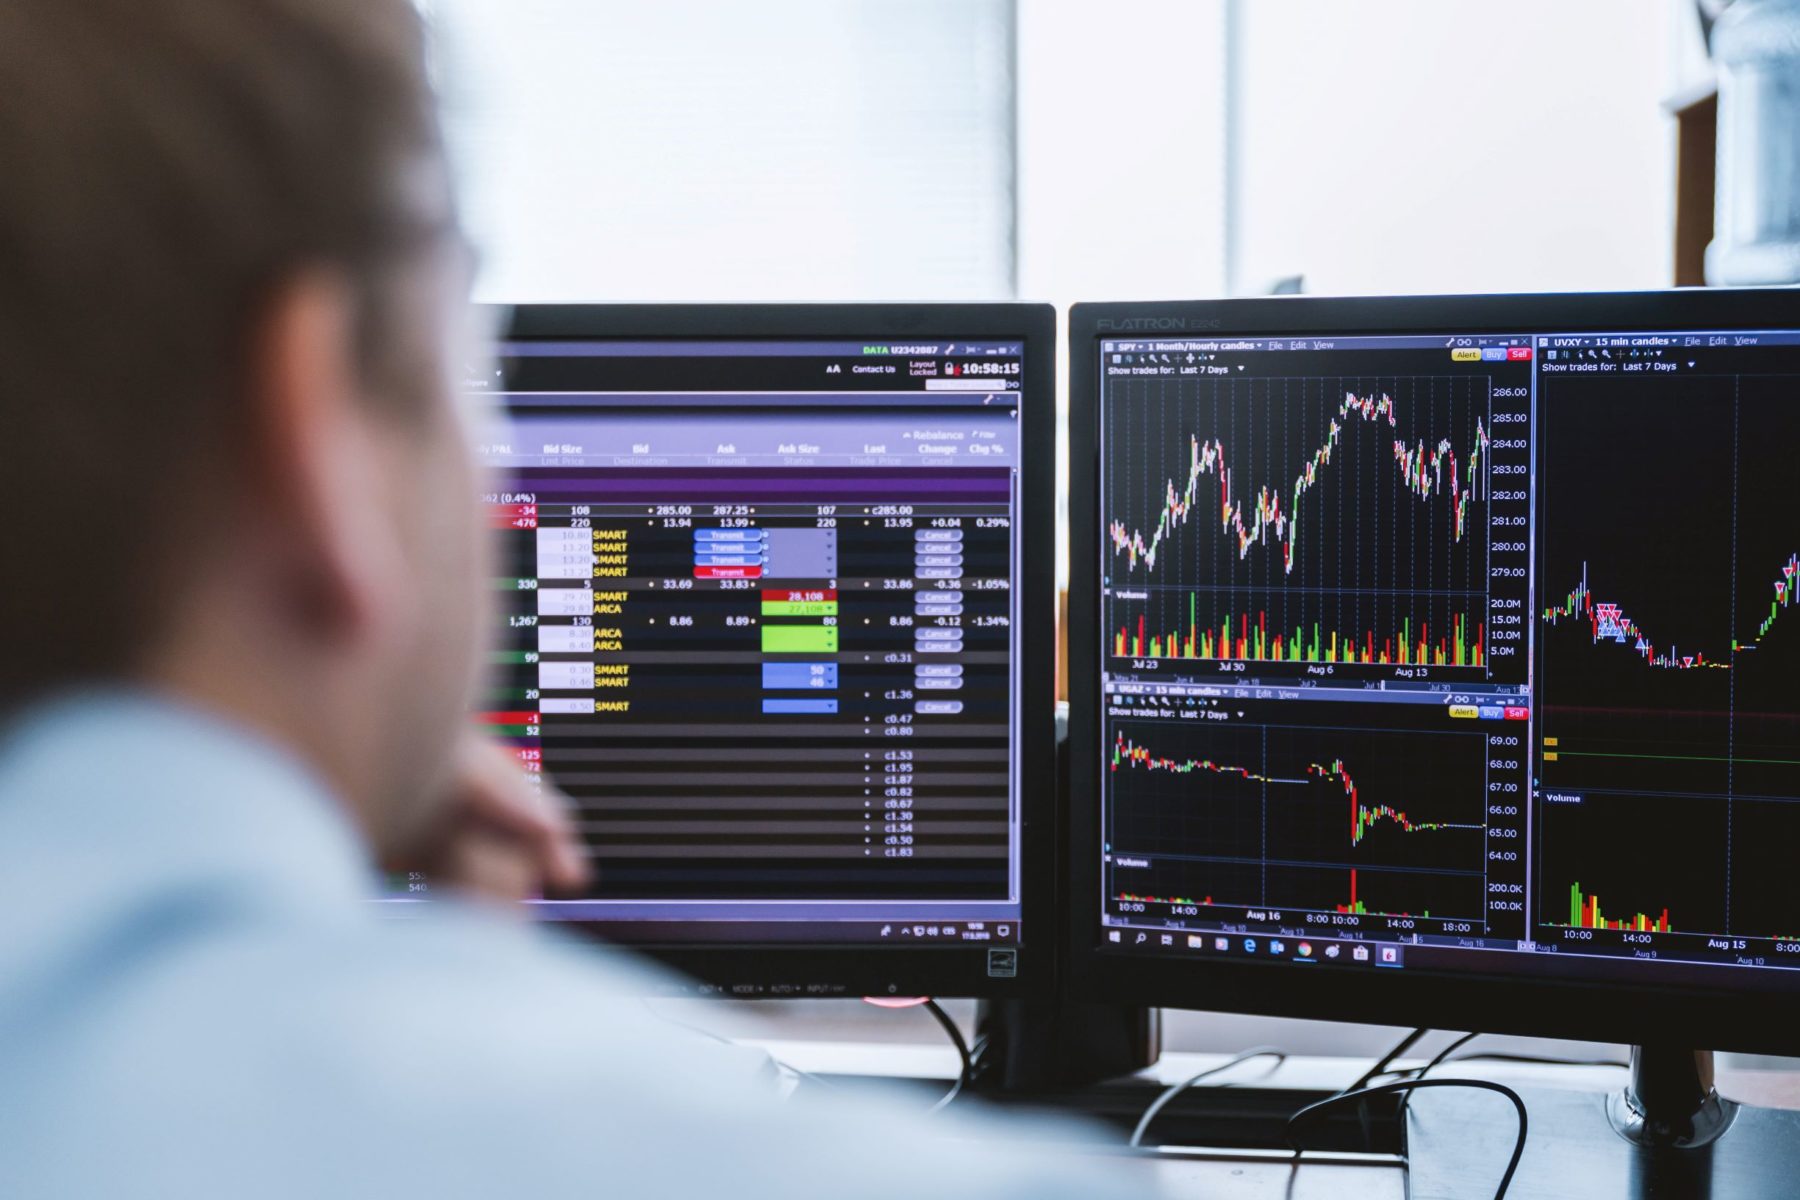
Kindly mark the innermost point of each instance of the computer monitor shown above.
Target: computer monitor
(1433, 661)
(775, 612)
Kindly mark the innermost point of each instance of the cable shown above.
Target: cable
(1501, 1056)
(962, 1050)
(1382, 1066)
(1443, 1056)
(1431, 1064)
(1385, 1061)
(1411, 1085)
(1173, 1090)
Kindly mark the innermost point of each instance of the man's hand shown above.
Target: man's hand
(498, 836)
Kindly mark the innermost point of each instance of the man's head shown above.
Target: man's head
(230, 306)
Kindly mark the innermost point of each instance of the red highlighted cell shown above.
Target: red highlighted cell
(512, 516)
(510, 718)
(798, 595)
(728, 572)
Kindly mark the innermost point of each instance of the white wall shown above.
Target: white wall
(1121, 143)
(714, 150)
(1424, 146)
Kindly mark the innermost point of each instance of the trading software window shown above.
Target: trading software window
(1416, 649)
(759, 621)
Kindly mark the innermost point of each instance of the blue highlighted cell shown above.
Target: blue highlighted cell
(730, 535)
(773, 707)
(782, 676)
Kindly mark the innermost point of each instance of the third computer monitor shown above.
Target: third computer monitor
(1434, 660)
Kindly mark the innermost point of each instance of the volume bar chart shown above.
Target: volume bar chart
(1244, 639)
(1584, 913)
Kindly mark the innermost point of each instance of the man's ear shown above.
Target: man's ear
(317, 459)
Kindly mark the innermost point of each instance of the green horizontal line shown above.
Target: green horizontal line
(1784, 762)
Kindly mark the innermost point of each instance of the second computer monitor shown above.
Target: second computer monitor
(1432, 660)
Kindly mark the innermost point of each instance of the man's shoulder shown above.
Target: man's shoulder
(406, 1028)
(458, 988)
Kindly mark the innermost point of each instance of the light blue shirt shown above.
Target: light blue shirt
(198, 999)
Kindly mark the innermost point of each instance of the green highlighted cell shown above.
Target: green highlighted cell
(799, 608)
(799, 639)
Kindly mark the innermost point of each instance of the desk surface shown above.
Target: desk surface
(1224, 1179)
(1180, 1174)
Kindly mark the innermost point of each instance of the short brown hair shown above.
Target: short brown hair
(164, 164)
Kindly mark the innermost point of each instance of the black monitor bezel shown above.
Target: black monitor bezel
(811, 970)
(1755, 1021)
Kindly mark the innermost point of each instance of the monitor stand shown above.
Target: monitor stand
(1667, 1134)
(1027, 1047)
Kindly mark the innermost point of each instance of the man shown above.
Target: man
(242, 561)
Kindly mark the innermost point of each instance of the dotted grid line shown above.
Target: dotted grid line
(1730, 625)
(1263, 769)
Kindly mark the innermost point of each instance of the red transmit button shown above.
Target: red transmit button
(1518, 354)
(1517, 713)
(728, 572)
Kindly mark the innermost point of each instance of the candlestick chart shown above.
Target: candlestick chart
(1348, 820)
(1301, 521)
(1668, 637)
